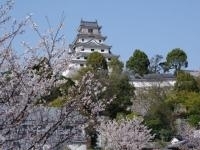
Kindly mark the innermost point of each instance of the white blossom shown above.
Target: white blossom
(24, 122)
(124, 134)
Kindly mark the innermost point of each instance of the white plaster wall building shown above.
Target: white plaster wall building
(151, 80)
(89, 39)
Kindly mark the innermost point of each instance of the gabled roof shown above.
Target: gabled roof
(91, 36)
(93, 44)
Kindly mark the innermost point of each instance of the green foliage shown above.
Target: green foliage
(160, 120)
(116, 65)
(176, 59)
(190, 104)
(130, 116)
(157, 112)
(7, 75)
(119, 87)
(197, 79)
(96, 61)
(81, 72)
(146, 97)
(165, 134)
(138, 63)
(186, 82)
(60, 91)
(194, 119)
(58, 102)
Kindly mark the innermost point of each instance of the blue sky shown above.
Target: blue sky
(154, 26)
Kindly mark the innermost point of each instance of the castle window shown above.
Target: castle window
(92, 50)
(82, 49)
(82, 40)
(85, 57)
(99, 41)
(109, 59)
(102, 50)
(78, 57)
(90, 30)
(81, 65)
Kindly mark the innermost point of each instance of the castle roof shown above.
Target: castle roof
(93, 44)
(90, 44)
(89, 24)
(96, 36)
(93, 24)
(107, 55)
(152, 77)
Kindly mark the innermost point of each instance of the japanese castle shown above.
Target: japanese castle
(89, 39)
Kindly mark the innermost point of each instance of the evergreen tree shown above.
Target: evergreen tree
(138, 63)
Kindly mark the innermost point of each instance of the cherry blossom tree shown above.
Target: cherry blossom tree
(26, 79)
(125, 134)
(190, 135)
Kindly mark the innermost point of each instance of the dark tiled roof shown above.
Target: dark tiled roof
(158, 76)
(107, 55)
(90, 44)
(89, 24)
(152, 77)
(94, 36)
